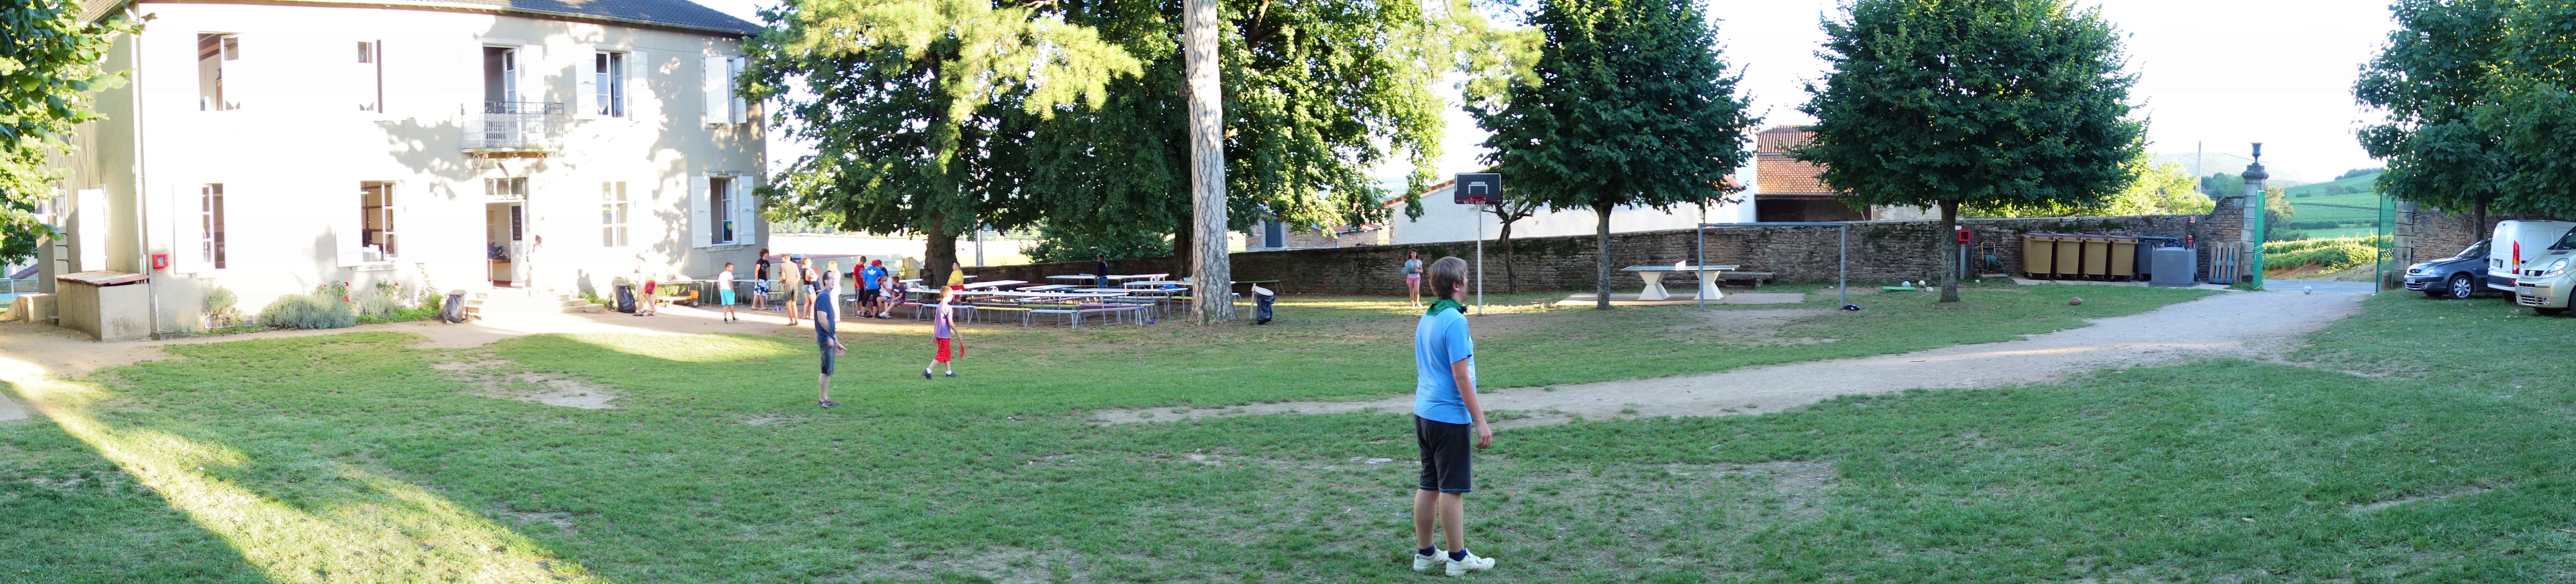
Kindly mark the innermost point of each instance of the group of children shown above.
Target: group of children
(1448, 420)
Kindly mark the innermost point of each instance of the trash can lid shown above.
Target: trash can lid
(102, 278)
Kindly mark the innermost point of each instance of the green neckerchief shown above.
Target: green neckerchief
(1436, 305)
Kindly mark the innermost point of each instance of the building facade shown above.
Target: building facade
(272, 147)
(1788, 189)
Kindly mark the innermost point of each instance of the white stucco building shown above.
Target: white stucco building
(269, 147)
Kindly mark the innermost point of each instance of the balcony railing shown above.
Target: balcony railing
(513, 126)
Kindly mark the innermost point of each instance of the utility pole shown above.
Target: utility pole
(1212, 270)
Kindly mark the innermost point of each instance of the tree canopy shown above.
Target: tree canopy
(1316, 94)
(2433, 80)
(920, 109)
(1629, 105)
(52, 62)
(1981, 103)
(2155, 189)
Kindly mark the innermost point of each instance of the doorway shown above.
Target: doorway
(505, 231)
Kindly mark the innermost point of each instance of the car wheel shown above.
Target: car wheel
(2461, 287)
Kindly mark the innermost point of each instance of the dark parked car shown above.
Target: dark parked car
(2452, 277)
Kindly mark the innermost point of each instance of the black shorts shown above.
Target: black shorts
(1445, 463)
(867, 296)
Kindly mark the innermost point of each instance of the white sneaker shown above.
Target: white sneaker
(1460, 567)
(1423, 563)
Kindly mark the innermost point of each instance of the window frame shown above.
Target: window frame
(388, 239)
(210, 216)
(226, 47)
(371, 60)
(608, 79)
(720, 212)
(615, 215)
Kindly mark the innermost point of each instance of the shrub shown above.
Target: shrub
(309, 311)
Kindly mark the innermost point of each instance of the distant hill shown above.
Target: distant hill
(2199, 165)
(2359, 184)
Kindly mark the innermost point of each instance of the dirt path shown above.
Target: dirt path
(2236, 324)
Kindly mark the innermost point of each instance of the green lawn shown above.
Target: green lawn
(356, 458)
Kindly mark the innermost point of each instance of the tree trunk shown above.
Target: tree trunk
(1181, 251)
(1601, 286)
(938, 250)
(1213, 271)
(2478, 219)
(1511, 279)
(1949, 251)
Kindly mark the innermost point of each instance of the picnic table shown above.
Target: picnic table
(1150, 283)
(1118, 278)
(1654, 277)
(992, 284)
(1048, 288)
(1074, 277)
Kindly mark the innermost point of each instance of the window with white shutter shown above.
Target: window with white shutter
(746, 211)
(701, 233)
(733, 72)
(713, 69)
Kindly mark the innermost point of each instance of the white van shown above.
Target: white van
(2517, 242)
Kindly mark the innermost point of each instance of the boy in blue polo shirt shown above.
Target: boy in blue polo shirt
(1445, 414)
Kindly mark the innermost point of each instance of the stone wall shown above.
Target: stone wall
(1880, 251)
(2429, 233)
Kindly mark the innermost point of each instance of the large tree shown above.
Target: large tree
(51, 63)
(2432, 79)
(1630, 106)
(920, 110)
(1316, 94)
(1987, 103)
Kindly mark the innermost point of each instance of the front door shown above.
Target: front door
(505, 228)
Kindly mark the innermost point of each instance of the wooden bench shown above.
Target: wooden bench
(1757, 277)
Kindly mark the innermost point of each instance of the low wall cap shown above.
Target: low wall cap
(103, 278)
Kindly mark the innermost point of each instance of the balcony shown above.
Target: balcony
(513, 129)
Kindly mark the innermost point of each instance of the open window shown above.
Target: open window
(500, 79)
(604, 85)
(720, 210)
(376, 219)
(199, 242)
(215, 53)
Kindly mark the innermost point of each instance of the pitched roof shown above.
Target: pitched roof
(1777, 173)
(667, 13)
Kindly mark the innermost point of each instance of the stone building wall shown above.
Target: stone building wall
(1880, 251)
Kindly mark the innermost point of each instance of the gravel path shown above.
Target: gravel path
(2231, 324)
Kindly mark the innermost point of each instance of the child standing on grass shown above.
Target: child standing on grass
(1413, 276)
(944, 328)
(760, 282)
(792, 276)
(1445, 414)
(724, 293)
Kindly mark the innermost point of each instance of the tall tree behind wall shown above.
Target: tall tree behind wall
(1985, 103)
(52, 62)
(920, 109)
(2431, 79)
(1316, 94)
(1631, 106)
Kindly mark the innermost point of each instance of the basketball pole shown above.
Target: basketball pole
(1480, 259)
